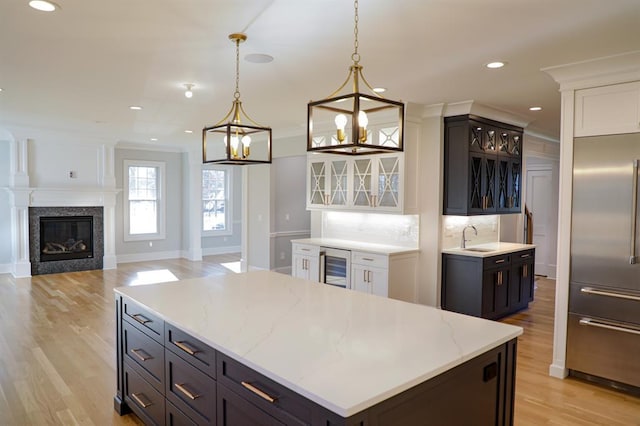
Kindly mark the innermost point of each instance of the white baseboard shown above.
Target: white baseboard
(142, 257)
(5, 268)
(221, 250)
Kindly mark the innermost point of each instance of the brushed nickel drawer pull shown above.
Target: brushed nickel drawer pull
(181, 388)
(499, 261)
(600, 324)
(140, 318)
(185, 347)
(258, 392)
(368, 259)
(524, 256)
(142, 358)
(140, 401)
(590, 290)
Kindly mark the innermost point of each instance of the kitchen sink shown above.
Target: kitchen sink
(478, 249)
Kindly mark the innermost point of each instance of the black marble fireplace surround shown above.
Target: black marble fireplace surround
(87, 245)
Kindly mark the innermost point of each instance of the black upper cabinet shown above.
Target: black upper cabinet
(482, 166)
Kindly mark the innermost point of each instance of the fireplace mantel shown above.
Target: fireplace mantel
(21, 198)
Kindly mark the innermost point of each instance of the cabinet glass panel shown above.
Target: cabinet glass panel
(503, 143)
(389, 136)
(338, 183)
(475, 196)
(489, 183)
(317, 182)
(475, 138)
(388, 182)
(362, 181)
(516, 170)
(490, 141)
(515, 147)
(503, 184)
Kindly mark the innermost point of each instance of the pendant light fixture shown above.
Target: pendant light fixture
(355, 123)
(236, 139)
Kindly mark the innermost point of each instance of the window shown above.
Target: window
(144, 200)
(216, 201)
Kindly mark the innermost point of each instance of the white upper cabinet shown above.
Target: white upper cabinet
(607, 110)
(374, 183)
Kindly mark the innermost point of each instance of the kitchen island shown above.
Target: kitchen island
(265, 348)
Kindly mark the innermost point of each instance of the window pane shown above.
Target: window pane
(214, 200)
(143, 217)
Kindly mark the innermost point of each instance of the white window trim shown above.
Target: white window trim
(161, 234)
(228, 210)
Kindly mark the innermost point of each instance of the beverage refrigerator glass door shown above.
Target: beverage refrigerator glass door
(336, 266)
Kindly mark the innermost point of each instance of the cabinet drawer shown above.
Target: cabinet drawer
(191, 350)
(306, 249)
(145, 352)
(600, 351)
(497, 261)
(143, 319)
(175, 417)
(522, 256)
(602, 302)
(190, 389)
(370, 259)
(234, 410)
(268, 395)
(142, 398)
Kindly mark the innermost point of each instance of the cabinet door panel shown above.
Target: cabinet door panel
(362, 182)
(317, 183)
(236, 411)
(338, 183)
(388, 182)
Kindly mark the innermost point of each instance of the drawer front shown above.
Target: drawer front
(523, 256)
(175, 417)
(369, 259)
(145, 352)
(306, 249)
(604, 349)
(497, 261)
(266, 394)
(190, 389)
(191, 350)
(143, 319)
(233, 410)
(603, 302)
(142, 398)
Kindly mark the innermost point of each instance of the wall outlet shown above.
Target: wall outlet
(72, 174)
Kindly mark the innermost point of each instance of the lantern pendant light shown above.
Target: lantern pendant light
(236, 139)
(355, 123)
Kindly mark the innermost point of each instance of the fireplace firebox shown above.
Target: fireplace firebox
(66, 237)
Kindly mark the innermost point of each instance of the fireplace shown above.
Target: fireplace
(66, 237)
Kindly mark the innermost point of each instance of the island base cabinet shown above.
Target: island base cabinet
(478, 392)
(233, 410)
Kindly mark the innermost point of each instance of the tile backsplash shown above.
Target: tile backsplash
(452, 226)
(397, 230)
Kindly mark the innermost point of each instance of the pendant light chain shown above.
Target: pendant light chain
(236, 94)
(355, 56)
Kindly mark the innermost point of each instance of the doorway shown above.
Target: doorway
(541, 200)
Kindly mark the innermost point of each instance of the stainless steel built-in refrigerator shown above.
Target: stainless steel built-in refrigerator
(603, 341)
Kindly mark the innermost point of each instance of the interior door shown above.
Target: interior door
(539, 192)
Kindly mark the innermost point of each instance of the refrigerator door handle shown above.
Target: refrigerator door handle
(608, 326)
(589, 290)
(633, 259)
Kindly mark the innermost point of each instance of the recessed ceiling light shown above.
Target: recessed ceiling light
(188, 131)
(535, 108)
(188, 93)
(135, 107)
(379, 89)
(153, 139)
(258, 58)
(496, 64)
(44, 6)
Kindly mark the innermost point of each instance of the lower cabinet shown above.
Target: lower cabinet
(305, 261)
(488, 287)
(202, 386)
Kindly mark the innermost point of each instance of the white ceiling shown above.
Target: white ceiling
(72, 74)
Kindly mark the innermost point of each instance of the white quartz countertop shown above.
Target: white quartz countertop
(356, 245)
(342, 349)
(489, 249)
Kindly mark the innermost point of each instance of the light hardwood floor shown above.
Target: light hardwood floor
(57, 357)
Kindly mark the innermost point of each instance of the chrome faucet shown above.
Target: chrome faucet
(463, 241)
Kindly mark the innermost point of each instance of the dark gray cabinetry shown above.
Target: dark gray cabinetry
(174, 379)
(482, 166)
(487, 287)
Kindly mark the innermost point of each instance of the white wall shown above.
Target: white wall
(5, 211)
